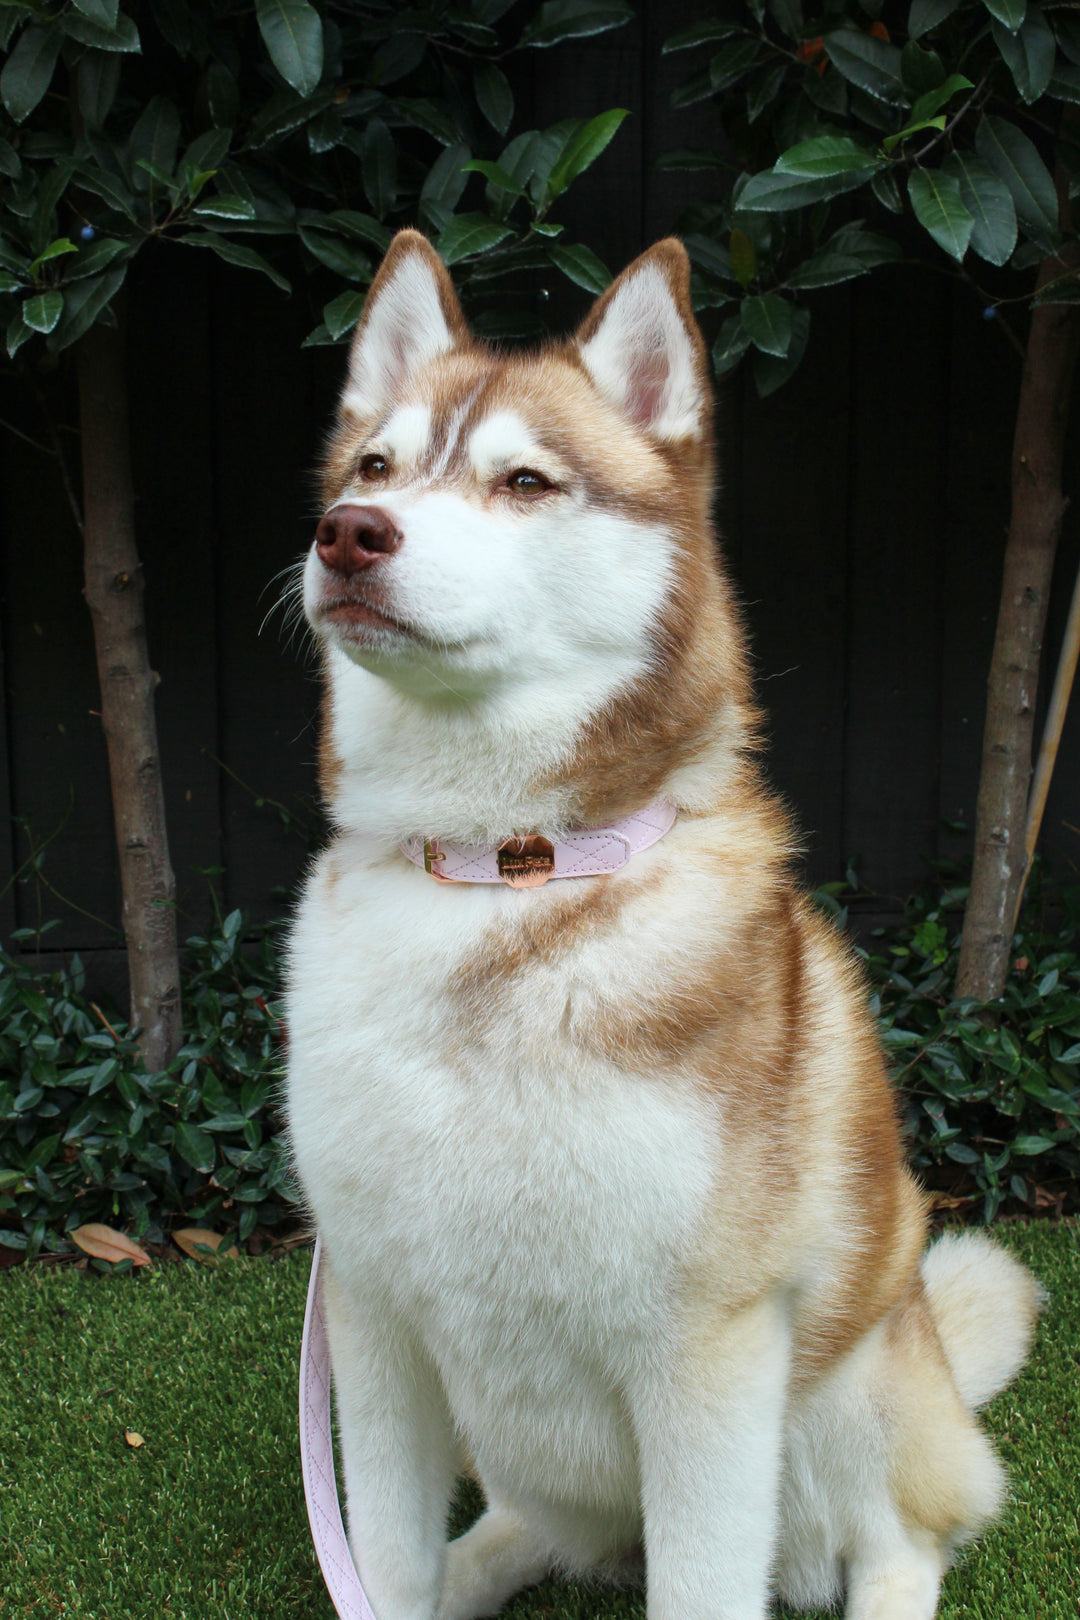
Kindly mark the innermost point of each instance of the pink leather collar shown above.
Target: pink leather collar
(525, 863)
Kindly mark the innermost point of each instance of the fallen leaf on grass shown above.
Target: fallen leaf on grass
(104, 1244)
(200, 1244)
(134, 1439)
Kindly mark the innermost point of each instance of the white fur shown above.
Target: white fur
(404, 329)
(513, 658)
(406, 435)
(984, 1304)
(642, 359)
(502, 441)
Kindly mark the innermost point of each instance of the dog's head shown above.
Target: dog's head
(524, 530)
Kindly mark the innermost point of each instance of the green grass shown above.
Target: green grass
(206, 1520)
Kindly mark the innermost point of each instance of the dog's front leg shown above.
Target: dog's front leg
(709, 1431)
(398, 1453)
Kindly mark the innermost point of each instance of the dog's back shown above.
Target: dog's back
(607, 1170)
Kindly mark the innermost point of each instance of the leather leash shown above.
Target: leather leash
(317, 1460)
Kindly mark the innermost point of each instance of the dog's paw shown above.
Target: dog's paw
(488, 1564)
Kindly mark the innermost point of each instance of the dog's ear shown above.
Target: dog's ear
(411, 315)
(642, 348)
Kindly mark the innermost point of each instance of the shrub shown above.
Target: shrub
(87, 1134)
(990, 1091)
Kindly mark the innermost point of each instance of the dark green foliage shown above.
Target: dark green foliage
(313, 128)
(954, 112)
(993, 1091)
(86, 1134)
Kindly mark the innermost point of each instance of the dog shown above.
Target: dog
(606, 1166)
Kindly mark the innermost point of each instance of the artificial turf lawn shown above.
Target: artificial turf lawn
(206, 1520)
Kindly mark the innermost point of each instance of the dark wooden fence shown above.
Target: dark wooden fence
(863, 510)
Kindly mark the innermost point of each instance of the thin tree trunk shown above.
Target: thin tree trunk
(1038, 506)
(114, 592)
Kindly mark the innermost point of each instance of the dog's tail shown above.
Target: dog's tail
(984, 1304)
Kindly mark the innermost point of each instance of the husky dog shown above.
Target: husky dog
(607, 1168)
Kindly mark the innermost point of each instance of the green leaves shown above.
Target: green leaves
(923, 113)
(584, 148)
(232, 253)
(83, 303)
(122, 37)
(825, 156)
(98, 80)
(772, 193)
(767, 318)
(742, 257)
(28, 70)
(86, 1134)
(581, 265)
(153, 144)
(935, 197)
(378, 166)
(1009, 12)
(99, 11)
(574, 19)
(810, 172)
(851, 252)
(292, 32)
(1028, 52)
(329, 243)
(42, 312)
(920, 70)
(442, 189)
(470, 234)
(343, 312)
(195, 1146)
(772, 371)
(927, 14)
(867, 62)
(989, 202)
(702, 33)
(730, 346)
(494, 96)
(1014, 159)
(730, 64)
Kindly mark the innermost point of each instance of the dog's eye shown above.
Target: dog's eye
(373, 469)
(526, 482)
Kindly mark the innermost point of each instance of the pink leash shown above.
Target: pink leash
(317, 1460)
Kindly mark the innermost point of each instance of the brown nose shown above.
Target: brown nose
(350, 538)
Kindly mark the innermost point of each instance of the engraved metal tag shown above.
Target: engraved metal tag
(526, 863)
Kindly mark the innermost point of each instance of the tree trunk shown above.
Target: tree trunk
(114, 592)
(1038, 506)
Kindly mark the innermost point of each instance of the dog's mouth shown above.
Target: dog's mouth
(353, 616)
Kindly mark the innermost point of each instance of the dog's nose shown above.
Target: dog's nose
(350, 538)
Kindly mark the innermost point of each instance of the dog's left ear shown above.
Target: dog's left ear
(642, 347)
(411, 316)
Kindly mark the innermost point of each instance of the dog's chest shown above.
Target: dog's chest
(482, 1172)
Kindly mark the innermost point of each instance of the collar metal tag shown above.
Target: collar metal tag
(526, 863)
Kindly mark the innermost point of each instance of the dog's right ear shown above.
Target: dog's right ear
(411, 315)
(643, 349)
